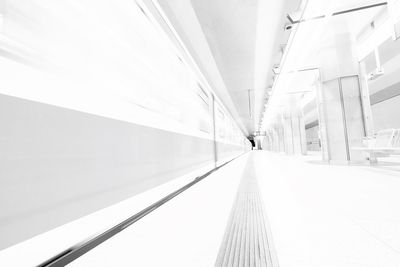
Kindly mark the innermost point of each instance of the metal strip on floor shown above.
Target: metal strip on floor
(246, 241)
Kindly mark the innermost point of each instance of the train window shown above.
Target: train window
(204, 126)
(221, 115)
(220, 123)
(203, 96)
(204, 92)
(203, 100)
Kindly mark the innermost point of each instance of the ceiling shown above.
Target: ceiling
(299, 69)
(235, 44)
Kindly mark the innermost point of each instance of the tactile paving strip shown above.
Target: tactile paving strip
(246, 241)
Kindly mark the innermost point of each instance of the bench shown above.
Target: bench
(386, 143)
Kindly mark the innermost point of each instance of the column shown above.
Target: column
(278, 128)
(341, 114)
(294, 131)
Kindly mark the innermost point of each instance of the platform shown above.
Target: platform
(265, 209)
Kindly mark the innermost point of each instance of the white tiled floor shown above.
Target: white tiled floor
(324, 215)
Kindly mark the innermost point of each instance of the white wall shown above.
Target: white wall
(386, 114)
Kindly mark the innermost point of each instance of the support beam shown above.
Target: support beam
(341, 12)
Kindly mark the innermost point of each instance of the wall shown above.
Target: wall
(313, 142)
(386, 114)
(385, 90)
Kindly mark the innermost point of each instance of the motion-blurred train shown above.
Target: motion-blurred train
(106, 103)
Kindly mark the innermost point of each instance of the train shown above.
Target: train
(98, 103)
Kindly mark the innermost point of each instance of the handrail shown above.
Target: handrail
(74, 252)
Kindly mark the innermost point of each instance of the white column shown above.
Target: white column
(280, 137)
(294, 131)
(288, 133)
(394, 12)
(341, 113)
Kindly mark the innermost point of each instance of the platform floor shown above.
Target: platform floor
(324, 215)
(316, 215)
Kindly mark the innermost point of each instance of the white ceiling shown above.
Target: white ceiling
(235, 43)
(230, 29)
(292, 86)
